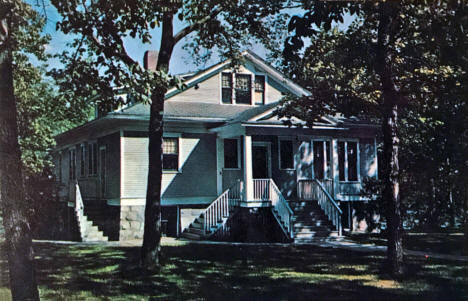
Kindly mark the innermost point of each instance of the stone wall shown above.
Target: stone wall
(131, 222)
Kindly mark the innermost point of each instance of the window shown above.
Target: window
(171, 154)
(321, 159)
(226, 87)
(348, 160)
(243, 89)
(231, 153)
(82, 160)
(92, 159)
(102, 173)
(259, 89)
(286, 154)
(72, 163)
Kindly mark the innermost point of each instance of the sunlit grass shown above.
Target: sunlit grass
(224, 272)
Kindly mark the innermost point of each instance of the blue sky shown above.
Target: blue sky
(180, 62)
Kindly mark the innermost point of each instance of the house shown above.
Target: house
(229, 164)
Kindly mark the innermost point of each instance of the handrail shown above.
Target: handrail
(282, 212)
(79, 209)
(329, 196)
(333, 211)
(218, 209)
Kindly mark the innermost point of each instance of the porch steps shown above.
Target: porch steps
(310, 223)
(195, 230)
(91, 231)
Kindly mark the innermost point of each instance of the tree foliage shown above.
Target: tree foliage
(404, 63)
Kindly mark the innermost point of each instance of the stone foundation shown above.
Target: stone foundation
(131, 222)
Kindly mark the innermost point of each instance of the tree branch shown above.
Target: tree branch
(192, 27)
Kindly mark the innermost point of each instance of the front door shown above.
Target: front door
(261, 161)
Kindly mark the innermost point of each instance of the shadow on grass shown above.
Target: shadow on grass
(222, 272)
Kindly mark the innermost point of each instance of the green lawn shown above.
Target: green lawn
(222, 272)
(444, 243)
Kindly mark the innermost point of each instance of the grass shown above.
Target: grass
(443, 243)
(225, 272)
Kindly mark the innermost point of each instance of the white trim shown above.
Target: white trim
(238, 154)
(286, 138)
(268, 146)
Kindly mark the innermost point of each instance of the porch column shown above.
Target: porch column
(334, 167)
(248, 182)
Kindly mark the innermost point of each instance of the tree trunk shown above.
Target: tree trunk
(12, 197)
(150, 251)
(391, 98)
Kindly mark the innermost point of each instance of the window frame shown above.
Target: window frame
(292, 153)
(252, 88)
(264, 89)
(346, 162)
(327, 157)
(83, 160)
(238, 154)
(72, 164)
(179, 168)
(93, 160)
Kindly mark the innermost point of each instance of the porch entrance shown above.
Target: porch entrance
(261, 165)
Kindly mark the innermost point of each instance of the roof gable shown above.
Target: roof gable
(250, 58)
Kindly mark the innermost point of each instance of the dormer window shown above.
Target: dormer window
(226, 88)
(237, 89)
(243, 91)
(259, 89)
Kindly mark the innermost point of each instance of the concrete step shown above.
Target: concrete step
(196, 231)
(191, 236)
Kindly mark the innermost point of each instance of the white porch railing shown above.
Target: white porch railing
(332, 210)
(281, 210)
(306, 190)
(261, 189)
(215, 213)
(79, 210)
(235, 194)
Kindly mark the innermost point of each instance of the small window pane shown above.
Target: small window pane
(286, 154)
(227, 80)
(259, 83)
(170, 146)
(231, 155)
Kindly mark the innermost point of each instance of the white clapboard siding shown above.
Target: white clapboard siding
(135, 166)
(206, 91)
